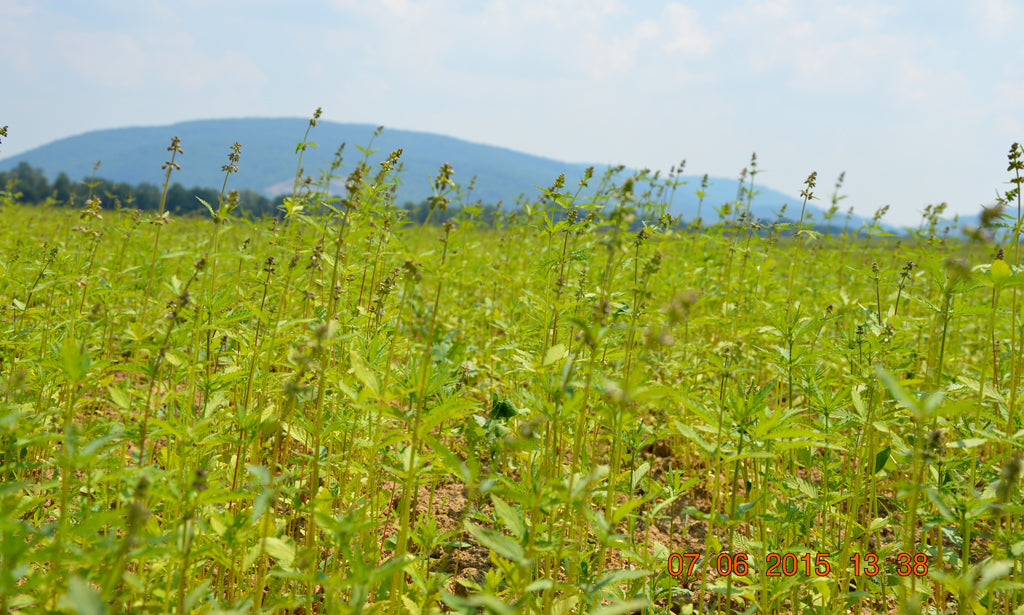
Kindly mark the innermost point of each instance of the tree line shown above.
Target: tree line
(28, 185)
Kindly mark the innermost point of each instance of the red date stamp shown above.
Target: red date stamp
(802, 564)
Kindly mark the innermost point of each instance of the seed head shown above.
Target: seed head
(654, 265)
(1016, 157)
(391, 160)
(352, 186)
(641, 236)
(627, 187)
(809, 183)
(559, 183)
(175, 149)
(316, 259)
(587, 175)
(412, 270)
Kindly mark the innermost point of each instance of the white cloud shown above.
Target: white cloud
(608, 49)
(1010, 100)
(13, 8)
(684, 31)
(603, 55)
(924, 87)
(1011, 94)
(842, 49)
(595, 10)
(124, 62)
(771, 9)
(997, 17)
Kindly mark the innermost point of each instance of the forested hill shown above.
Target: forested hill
(268, 157)
(268, 162)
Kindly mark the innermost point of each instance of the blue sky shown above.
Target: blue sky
(918, 101)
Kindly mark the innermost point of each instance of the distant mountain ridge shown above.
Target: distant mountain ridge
(268, 162)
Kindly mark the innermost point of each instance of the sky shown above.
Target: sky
(918, 101)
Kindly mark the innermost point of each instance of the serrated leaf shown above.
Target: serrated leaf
(712, 544)
(994, 571)
(281, 550)
(631, 606)
(968, 443)
(554, 354)
(391, 567)
(940, 504)
(618, 576)
(858, 402)
(214, 402)
(363, 373)
(625, 508)
(638, 474)
(881, 426)
(120, 397)
(74, 359)
(453, 408)
(917, 410)
(298, 433)
(881, 459)
(489, 604)
(691, 434)
(207, 206)
(928, 304)
(250, 556)
(175, 358)
(196, 594)
(539, 585)
(261, 473)
(744, 508)
(496, 541)
(410, 606)
(509, 516)
(801, 485)
(260, 505)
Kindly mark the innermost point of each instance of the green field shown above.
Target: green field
(340, 412)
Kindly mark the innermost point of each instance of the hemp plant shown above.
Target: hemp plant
(161, 217)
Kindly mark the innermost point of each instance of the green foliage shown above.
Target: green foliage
(506, 410)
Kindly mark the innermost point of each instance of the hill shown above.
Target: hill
(268, 162)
